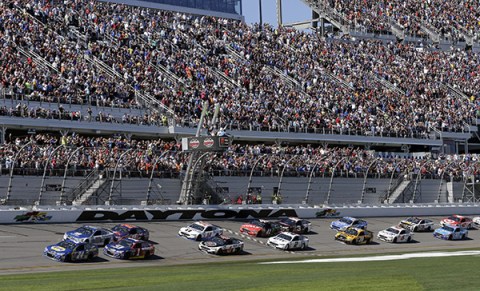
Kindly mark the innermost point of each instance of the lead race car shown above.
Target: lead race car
(221, 245)
(200, 230)
(69, 251)
(90, 234)
(129, 248)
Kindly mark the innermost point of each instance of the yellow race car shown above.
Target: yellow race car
(354, 236)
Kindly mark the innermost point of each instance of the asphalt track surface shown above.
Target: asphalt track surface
(21, 246)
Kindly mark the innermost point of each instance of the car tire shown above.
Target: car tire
(409, 239)
(302, 247)
(259, 234)
(354, 242)
(287, 248)
(415, 229)
(429, 228)
(463, 236)
(106, 242)
(450, 237)
(147, 255)
(198, 238)
(90, 257)
(126, 256)
(394, 240)
(368, 241)
(68, 258)
(238, 250)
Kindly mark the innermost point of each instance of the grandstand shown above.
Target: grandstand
(96, 96)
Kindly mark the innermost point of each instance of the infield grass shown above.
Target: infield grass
(446, 273)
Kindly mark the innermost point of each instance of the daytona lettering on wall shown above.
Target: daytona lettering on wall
(153, 215)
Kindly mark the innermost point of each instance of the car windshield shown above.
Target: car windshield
(197, 226)
(393, 230)
(84, 230)
(218, 240)
(454, 218)
(257, 223)
(125, 243)
(120, 228)
(287, 221)
(284, 236)
(413, 220)
(346, 220)
(66, 244)
(351, 231)
(448, 228)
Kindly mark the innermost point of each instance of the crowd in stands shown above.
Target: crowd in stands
(264, 78)
(140, 157)
(451, 19)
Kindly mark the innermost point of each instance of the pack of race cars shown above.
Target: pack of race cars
(127, 241)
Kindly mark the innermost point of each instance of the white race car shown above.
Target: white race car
(221, 245)
(476, 221)
(417, 224)
(395, 234)
(288, 241)
(98, 236)
(200, 230)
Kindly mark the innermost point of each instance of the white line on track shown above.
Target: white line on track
(3, 236)
(381, 258)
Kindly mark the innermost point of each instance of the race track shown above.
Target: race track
(22, 245)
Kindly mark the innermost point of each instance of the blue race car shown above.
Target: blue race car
(347, 221)
(69, 251)
(129, 248)
(450, 232)
(90, 234)
(122, 231)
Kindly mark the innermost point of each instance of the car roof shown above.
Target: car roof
(203, 223)
(128, 225)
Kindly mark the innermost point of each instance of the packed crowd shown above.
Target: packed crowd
(141, 157)
(264, 78)
(451, 19)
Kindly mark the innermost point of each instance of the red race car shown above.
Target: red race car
(260, 227)
(458, 220)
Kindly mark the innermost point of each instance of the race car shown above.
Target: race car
(296, 225)
(458, 220)
(476, 221)
(200, 230)
(395, 234)
(450, 232)
(221, 245)
(129, 248)
(122, 231)
(417, 224)
(260, 227)
(90, 234)
(70, 251)
(354, 236)
(345, 222)
(288, 241)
